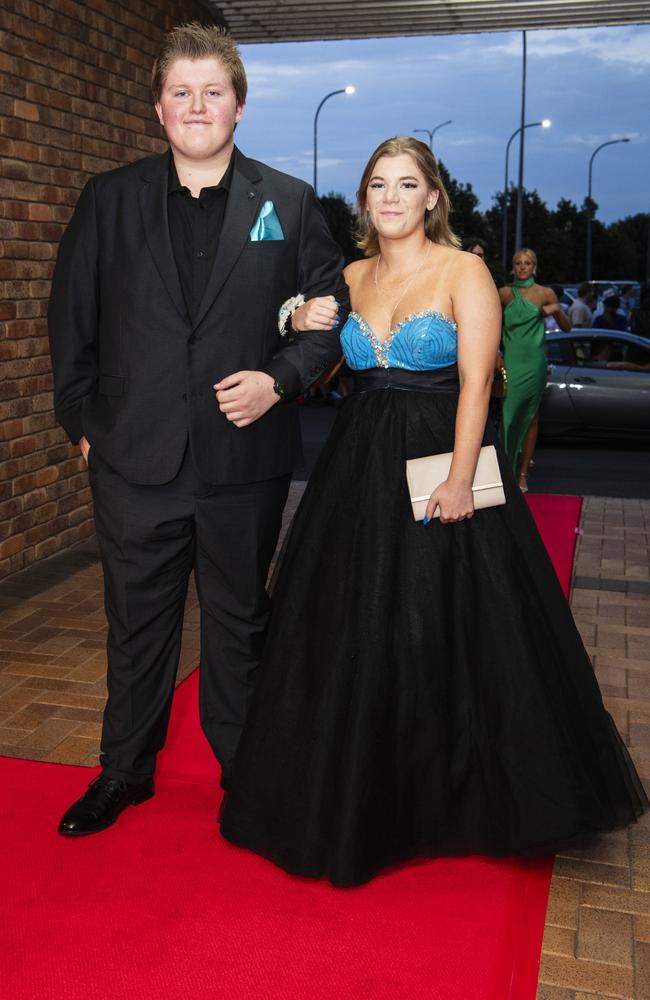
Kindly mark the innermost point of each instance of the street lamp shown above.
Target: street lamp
(432, 131)
(612, 142)
(345, 90)
(545, 123)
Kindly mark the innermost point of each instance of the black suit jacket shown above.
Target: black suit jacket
(131, 371)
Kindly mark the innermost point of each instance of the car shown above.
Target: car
(568, 297)
(598, 382)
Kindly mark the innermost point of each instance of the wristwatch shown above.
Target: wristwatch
(278, 389)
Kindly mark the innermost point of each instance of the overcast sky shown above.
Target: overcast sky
(594, 84)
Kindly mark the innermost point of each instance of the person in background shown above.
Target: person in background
(640, 318)
(475, 245)
(601, 357)
(525, 308)
(628, 302)
(550, 323)
(581, 312)
(610, 318)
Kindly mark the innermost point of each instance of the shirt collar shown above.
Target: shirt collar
(175, 185)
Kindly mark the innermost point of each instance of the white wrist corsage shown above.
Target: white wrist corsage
(287, 309)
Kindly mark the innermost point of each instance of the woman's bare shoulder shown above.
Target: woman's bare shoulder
(355, 269)
(547, 295)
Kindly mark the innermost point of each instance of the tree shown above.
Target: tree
(342, 222)
(558, 236)
(465, 218)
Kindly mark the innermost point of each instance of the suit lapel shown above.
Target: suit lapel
(153, 206)
(243, 204)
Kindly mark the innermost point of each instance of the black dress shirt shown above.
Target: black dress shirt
(195, 226)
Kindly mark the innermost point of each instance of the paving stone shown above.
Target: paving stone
(89, 730)
(559, 941)
(41, 670)
(89, 672)
(642, 929)
(608, 849)
(31, 716)
(592, 996)
(589, 871)
(16, 699)
(546, 992)
(642, 970)
(80, 714)
(22, 753)
(605, 936)
(72, 750)
(52, 732)
(612, 980)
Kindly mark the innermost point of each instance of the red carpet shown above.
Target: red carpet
(161, 908)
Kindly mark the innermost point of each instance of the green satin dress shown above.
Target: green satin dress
(525, 362)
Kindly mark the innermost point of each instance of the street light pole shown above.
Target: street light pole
(344, 90)
(519, 222)
(545, 123)
(612, 142)
(432, 131)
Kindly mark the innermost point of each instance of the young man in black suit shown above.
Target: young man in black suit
(171, 374)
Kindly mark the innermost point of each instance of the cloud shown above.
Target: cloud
(266, 79)
(593, 139)
(306, 160)
(472, 140)
(628, 47)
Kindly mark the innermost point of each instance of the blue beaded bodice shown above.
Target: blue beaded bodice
(421, 342)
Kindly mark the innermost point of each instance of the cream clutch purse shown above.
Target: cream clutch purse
(423, 475)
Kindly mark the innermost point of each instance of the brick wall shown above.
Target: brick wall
(74, 100)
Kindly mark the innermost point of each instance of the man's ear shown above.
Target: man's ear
(158, 108)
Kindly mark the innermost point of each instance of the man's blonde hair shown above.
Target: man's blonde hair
(199, 41)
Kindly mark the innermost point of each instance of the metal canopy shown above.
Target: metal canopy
(312, 20)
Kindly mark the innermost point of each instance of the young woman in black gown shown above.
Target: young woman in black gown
(424, 690)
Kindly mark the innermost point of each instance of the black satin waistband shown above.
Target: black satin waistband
(438, 380)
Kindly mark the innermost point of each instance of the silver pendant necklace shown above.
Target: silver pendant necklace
(409, 281)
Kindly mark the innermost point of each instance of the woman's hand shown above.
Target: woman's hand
(455, 500)
(551, 307)
(316, 314)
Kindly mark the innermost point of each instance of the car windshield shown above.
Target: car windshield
(610, 352)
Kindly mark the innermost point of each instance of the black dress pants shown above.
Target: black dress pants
(150, 539)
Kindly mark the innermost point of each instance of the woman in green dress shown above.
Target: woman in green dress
(525, 307)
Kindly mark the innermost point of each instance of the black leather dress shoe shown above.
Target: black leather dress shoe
(98, 809)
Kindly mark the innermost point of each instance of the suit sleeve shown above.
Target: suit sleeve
(73, 315)
(320, 272)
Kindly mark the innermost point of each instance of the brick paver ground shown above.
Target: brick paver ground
(597, 935)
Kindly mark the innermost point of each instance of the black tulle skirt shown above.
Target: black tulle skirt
(424, 690)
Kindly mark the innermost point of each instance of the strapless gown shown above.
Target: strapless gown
(424, 690)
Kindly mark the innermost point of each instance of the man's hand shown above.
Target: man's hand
(84, 448)
(245, 396)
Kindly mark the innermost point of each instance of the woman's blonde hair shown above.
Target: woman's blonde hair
(436, 220)
(199, 41)
(530, 253)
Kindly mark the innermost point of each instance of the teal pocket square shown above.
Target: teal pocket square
(267, 225)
